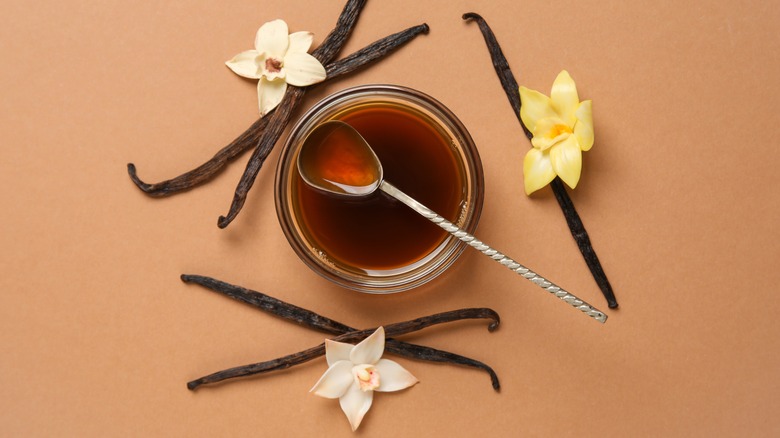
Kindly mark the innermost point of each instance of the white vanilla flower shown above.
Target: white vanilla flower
(278, 59)
(356, 371)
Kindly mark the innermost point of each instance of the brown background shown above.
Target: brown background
(680, 195)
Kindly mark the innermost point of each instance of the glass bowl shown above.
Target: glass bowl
(379, 245)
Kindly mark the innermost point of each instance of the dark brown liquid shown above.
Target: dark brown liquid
(378, 232)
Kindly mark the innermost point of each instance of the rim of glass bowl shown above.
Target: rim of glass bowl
(437, 261)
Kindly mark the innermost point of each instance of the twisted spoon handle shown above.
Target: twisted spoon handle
(493, 254)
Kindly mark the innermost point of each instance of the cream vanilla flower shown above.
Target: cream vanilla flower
(562, 128)
(356, 371)
(278, 59)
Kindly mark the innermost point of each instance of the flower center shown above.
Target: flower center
(549, 132)
(366, 376)
(558, 130)
(273, 65)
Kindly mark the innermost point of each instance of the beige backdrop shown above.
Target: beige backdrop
(680, 196)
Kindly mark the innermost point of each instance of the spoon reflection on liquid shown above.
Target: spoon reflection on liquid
(335, 159)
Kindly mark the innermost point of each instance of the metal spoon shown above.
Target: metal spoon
(336, 159)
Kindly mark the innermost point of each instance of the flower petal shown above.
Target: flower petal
(245, 64)
(336, 380)
(300, 42)
(336, 351)
(537, 170)
(564, 97)
(584, 127)
(355, 403)
(272, 39)
(549, 131)
(270, 93)
(393, 377)
(302, 69)
(566, 159)
(534, 106)
(369, 350)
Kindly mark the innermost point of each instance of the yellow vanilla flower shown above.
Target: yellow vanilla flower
(562, 128)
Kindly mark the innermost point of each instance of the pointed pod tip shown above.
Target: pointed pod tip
(132, 172)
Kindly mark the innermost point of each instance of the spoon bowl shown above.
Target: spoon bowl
(337, 160)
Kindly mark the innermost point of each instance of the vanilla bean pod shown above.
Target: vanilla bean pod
(324, 53)
(205, 171)
(577, 228)
(315, 321)
(500, 64)
(252, 136)
(333, 43)
(303, 316)
(304, 356)
(272, 305)
(421, 352)
(271, 135)
(391, 330)
(374, 51)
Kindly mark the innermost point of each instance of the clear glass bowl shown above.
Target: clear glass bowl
(300, 225)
